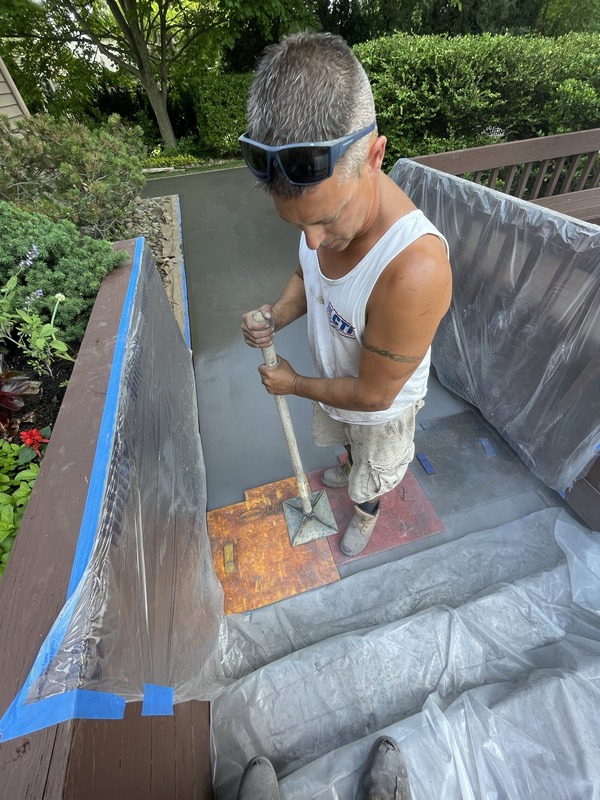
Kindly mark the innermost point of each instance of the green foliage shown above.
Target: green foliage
(575, 105)
(168, 159)
(17, 478)
(50, 79)
(34, 334)
(220, 102)
(435, 93)
(158, 44)
(359, 21)
(38, 340)
(66, 263)
(558, 17)
(65, 170)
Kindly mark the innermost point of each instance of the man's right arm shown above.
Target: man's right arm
(290, 306)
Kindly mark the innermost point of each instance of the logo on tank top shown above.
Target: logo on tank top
(341, 325)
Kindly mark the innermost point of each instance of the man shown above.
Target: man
(373, 278)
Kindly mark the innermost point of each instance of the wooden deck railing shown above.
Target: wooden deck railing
(533, 169)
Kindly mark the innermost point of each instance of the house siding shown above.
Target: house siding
(12, 104)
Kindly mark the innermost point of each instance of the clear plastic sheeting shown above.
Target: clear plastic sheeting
(494, 694)
(471, 564)
(537, 738)
(145, 609)
(522, 339)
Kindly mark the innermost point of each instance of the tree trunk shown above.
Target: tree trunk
(158, 101)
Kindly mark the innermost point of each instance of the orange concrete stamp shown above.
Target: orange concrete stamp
(253, 556)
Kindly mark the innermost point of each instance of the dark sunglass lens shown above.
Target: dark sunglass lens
(256, 158)
(305, 164)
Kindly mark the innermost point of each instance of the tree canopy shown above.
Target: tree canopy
(144, 38)
(161, 44)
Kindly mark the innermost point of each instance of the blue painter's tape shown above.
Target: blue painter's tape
(487, 446)
(426, 464)
(186, 311)
(158, 700)
(22, 717)
(99, 475)
(27, 718)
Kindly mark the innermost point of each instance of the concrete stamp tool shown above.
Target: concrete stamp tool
(308, 516)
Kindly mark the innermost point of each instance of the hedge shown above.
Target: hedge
(436, 93)
(220, 102)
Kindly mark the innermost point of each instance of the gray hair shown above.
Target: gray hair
(310, 87)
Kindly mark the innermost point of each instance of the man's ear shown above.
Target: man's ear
(375, 153)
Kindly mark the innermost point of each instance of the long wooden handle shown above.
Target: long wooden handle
(270, 359)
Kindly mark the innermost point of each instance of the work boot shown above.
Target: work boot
(259, 781)
(358, 532)
(337, 477)
(385, 776)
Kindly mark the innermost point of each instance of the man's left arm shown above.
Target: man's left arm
(403, 313)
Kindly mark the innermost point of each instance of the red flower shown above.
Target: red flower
(33, 438)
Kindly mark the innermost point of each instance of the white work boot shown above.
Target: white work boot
(358, 532)
(337, 477)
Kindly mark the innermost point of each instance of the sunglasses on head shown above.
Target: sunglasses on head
(303, 163)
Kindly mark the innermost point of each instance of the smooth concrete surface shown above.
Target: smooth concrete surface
(238, 255)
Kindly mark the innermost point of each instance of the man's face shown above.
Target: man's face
(332, 214)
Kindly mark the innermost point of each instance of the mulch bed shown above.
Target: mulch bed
(45, 405)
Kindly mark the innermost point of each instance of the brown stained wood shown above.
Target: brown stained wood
(573, 167)
(473, 159)
(523, 181)
(553, 185)
(154, 758)
(493, 178)
(266, 566)
(583, 205)
(539, 181)
(193, 770)
(586, 172)
(510, 176)
(163, 758)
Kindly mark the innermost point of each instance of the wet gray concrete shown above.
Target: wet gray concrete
(238, 255)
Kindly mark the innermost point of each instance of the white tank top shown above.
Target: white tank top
(336, 316)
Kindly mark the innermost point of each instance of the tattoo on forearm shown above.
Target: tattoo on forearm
(394, 356)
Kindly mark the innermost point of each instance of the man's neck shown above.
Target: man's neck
(389, 204)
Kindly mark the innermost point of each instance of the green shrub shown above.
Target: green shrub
(220, 102)
(66, 262)
(69, 172)
(576, 104)
(172, 160)
(434, 93)
(16, 482)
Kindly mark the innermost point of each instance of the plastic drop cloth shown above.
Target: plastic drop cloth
(522, 339)
(144, 610)
(493, 692)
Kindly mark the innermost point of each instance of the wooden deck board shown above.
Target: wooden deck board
(584, 204)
